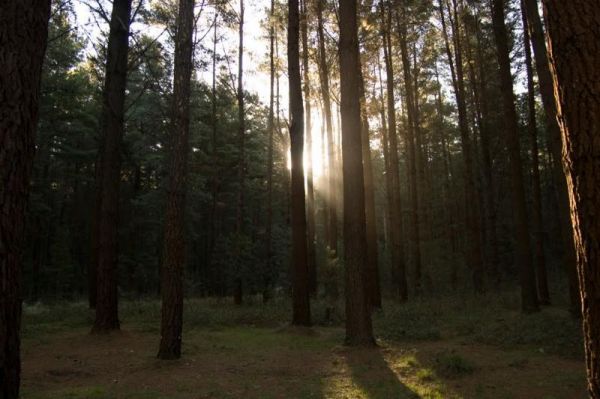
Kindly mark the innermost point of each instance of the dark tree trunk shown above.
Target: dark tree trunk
(398, 261)
(238, 288)
(270, 128)
(536, 217)
(536, 31)
(412, 154)
(372, 266)
(574, 52)
(174, 244)
(358, 314)
(112, 122)
(331, 197)
(529, 302)
(310, 192)
(301, 301)
(473, 238)
(23, 34)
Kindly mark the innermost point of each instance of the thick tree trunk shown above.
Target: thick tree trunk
(574, 52)
(174, 245)
(301, 301)
(310, 191)
(113, 110)
(396, 220)
(23, 34)
(536, 31)
(331, 197)
(536, 217)
(358, 315)
(529, 302)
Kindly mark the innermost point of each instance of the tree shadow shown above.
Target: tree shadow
(372, 374)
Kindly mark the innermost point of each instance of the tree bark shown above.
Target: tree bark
(301, 301)
(536, 31)
(574, 52)
(529, 301)
(358, 315)
(23, 36)
(174, 252)
(112, 124)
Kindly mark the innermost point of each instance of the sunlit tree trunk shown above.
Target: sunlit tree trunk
(529, 302)
(112, 125)
(23, 35)
(358, 315)
(174, 252)
(574, 37)
(301, 301)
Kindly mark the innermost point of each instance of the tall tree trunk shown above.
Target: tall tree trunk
(331, 197)
(372, 266)
(536, 31)
(473, 238)
(174, 252)
(398, 261)
(238, 287)
(536, 217)
(112, 123)
(214, 181)
(529, 302)
(310, 192)
(23, 35)
(484, 141)
(574, 35)
(270, 128)
(358, 315)
(412, 152)
(301, 301)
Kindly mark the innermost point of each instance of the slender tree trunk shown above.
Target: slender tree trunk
(324, 78)
(270, 128)
(536, 31)
(301, 301)
(23, 35)
(358, 316)
(113, 115)
(214, 182)
(536, 217)
(473, 238)
(372, 266)
(398, 261)
(310, 192)
(574, 34)
(412, 154)
(174, 252)
(529, 302)
(238, 286)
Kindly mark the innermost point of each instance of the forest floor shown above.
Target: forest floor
(429, 349)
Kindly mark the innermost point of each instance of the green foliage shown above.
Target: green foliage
(451, 365)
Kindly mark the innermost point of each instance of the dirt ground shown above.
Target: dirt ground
(247, 362)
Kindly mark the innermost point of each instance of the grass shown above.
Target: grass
(457, 347)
